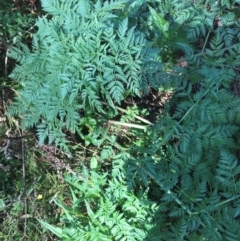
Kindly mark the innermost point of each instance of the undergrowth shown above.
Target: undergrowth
(176, 178)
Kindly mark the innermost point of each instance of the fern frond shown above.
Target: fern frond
(228, 171)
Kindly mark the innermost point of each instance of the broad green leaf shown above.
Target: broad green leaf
(2, 204)
(57, 231)
(93, 163)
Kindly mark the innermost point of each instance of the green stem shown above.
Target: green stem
(202, 54)
(204, 46)
(193, 107)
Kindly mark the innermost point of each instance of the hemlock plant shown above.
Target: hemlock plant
(80, 56)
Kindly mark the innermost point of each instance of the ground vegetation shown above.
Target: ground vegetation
(120, 120)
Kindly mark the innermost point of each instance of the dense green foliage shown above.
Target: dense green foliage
(111, 211)
(87, 57)
(194, 151)
(178, 180)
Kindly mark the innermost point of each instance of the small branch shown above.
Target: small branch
(137, 117)
(16, 137)
(24, 189)
(128, 124)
